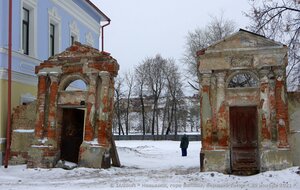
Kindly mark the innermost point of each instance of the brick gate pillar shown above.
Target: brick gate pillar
(206, 112)
(272, 100)
(222, 129)
(104, 109)
(51, 128)
(41, 96)
(90, 108)
(265, 113)
(281, 108)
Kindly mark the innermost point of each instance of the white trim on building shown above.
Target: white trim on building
(74, 31)
(55, 19)
(19, 77)
(75, 10)
(89, 39)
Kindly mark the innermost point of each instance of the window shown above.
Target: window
(28, 37)
(25, 31)
(74, 32)
(72, 40)
(52, 38)
(54, 32)
(242, 80)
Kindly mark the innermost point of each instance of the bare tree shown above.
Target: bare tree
(117, 104)
(280, 20)
(129, 81)
(154, 82)
(199, 39)
(140, 77)
(174, 91)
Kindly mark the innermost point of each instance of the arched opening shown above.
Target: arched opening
(72, 117)
(243, 123)
(243, 80)
(76, 85)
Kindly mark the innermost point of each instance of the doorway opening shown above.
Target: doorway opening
(244, 140)
(72, 134)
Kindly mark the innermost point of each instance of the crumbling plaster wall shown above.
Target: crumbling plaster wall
(294, 116)
(40, 146)
(265, 60)
(23, 120)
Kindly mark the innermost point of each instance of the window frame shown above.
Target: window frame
(54, 20)
(74, 32)
(235, 74)
(89, 39)
(52, 39)
(31, 6)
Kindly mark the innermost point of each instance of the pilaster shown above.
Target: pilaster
(281, 108)
(265, 112)
(222, 128)
(104, 107)
(41, 96)
(206, 112)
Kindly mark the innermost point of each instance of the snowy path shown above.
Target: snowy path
(147, 165)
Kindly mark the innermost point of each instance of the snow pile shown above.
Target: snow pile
(146, 165)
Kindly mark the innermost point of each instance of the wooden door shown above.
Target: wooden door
(244, 143)
(72, 134)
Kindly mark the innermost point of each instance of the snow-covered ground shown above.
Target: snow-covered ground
(146, 165)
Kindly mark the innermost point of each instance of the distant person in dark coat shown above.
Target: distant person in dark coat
(184, 144)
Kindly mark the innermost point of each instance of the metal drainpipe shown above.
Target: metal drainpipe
(102, 35)
(7, 151)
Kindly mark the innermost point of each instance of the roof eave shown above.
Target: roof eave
(98, 10)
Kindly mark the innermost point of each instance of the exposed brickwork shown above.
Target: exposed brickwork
(281, 114)
(97, 70)
(261, 61)
(23, 120)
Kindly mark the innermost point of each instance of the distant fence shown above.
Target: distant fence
(156, 137)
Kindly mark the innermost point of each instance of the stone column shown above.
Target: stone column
(281, 109)
(104, 109)
(41, 96)
(264, 115)
(206, 112)
(222, 128)
(51, 128)
(90, 108)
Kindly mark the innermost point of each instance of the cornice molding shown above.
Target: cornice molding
(19, 77)
(75, 10)
(22, 56)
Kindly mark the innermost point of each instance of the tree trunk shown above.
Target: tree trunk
(175, 117)
(127, 116)
(153, 116)
(164, 117)
(143, 114)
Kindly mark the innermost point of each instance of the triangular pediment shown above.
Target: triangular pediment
(244, 39)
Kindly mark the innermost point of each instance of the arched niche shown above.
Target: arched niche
(242, 79)
(74, 83)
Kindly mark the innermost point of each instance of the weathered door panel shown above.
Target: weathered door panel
(72, 134)
(244, 140)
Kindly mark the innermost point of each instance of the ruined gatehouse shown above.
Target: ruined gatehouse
(72, 123)
(244, 109)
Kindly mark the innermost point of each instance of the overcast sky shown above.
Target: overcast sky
(143, 28)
